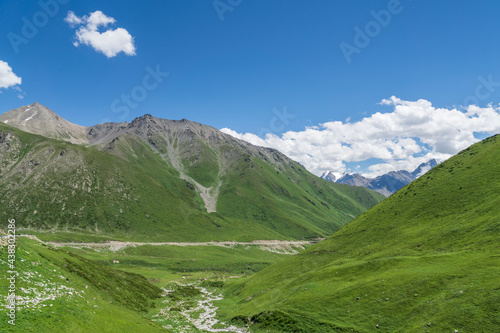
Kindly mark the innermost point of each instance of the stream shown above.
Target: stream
(207, 319)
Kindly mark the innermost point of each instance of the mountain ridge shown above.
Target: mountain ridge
(152, 178)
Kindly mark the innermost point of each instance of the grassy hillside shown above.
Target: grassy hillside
(293, 202)
(131, 188)
(424, 260)
(63, 292)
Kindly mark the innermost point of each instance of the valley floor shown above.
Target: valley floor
(191, 276)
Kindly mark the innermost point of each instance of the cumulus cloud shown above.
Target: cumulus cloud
(7, 77)
(412, 133)
(109, 42)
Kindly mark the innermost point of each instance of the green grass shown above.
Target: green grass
(424, 260)
(202, 164)
(126, 190)
(75, 294)
(164, 264)
(293, 202)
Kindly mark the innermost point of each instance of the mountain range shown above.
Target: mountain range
(154, 178)
(385, 184)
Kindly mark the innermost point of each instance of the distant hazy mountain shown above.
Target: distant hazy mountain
(160, 179)
(386, 184)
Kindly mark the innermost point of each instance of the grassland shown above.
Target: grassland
(424, 260)
(165, 264)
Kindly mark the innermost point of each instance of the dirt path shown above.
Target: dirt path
(268, 245)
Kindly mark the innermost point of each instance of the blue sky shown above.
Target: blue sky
(262, 58)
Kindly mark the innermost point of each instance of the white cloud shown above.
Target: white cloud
(73, 20)
(109, 42)
(7, 77)
(412, 133)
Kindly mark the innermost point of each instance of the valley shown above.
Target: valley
(249, 166)
(172, 226)
(186, 280)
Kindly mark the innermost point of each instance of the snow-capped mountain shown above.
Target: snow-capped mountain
(423, 168)
(386, 184)
(329, 175)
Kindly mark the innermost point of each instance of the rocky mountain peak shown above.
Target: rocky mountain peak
(38, 119)
(146, 119)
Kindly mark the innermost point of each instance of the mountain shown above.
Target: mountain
(38, 119)
(329, 175)
(355, 180)
(386, 184)
(424, 260)
(159, 179)
(424, 168)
